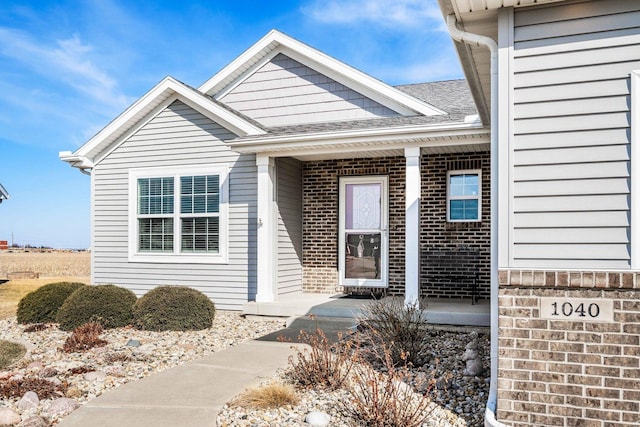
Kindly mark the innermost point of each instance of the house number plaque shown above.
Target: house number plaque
(577, 309)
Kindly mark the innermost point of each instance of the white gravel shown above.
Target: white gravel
(116, 363)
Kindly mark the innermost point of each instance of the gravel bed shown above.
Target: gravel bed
(116, 363)
(457, 401)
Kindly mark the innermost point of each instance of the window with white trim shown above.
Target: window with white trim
(178, 215)
(464, 196)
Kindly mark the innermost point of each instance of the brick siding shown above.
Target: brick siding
(320, 219)
(439, 235)
(568, 372)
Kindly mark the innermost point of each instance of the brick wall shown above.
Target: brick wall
(568, 372)
(320, 219)
(440, 235)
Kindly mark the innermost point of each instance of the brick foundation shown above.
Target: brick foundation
(568, 372)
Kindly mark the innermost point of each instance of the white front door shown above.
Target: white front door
(363, 238)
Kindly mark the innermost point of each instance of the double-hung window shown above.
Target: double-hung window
(178, 215)
(464, 196)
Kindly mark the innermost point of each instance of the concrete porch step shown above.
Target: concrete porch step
(333, 328)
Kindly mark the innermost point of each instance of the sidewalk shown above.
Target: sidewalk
(189, 395)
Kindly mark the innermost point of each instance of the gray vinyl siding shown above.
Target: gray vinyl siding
(175, 137)
(285, 92)
(289, 215)
(571, 154)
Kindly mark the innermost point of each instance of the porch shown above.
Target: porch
(316, 308)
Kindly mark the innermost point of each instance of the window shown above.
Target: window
(464, 196)
(177, 215)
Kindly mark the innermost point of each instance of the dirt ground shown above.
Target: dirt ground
(51, 266)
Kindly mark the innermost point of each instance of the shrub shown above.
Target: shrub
(397, 326)
(108, 305)
(384, 399)
(84, 338)
(173, 308)
(10, 352)
(42, 305)
(324, 364)
(45, 389)
(269, 396)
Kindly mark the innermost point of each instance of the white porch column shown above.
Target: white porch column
(412, 226)
(266, 250)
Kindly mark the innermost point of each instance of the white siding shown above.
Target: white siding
(289, 205)
(571, 155)
(177, 136)
(285, 92)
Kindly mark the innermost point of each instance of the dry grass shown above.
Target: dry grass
(48, 264)
(269, 396)
(12, 292)
(52, 266)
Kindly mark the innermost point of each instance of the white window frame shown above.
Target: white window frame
(177, 256)
(478, 197)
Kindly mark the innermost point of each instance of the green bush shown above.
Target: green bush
(108, 305)
(42, 305)
(173, 308)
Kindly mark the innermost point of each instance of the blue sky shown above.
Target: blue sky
(69, 67)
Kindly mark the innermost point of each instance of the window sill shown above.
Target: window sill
(178, 258)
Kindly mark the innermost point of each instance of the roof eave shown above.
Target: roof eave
(361, 137)
(75, 160)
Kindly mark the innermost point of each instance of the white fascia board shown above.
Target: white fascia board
(276, 42)
(365, 137)
(160, 93)
(467, 6)
(75, 161)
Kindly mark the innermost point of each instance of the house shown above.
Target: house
(4, 194)
(560, 82)
(290, 172)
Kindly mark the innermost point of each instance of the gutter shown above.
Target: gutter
(478, 40)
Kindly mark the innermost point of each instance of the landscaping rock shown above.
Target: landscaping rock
(35, 421)
(63, 406)
(48, 372)
(28, 401)
(318, 419)
(9, 417)
(95, 376)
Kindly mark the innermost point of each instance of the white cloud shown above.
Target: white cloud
(388, 13)
(439, 68)
(66, 61)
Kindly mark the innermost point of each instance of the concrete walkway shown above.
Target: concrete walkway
(189, 395)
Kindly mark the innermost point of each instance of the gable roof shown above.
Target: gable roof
(276, 42)
(4, 194)
(424, 111)
(160, 96)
